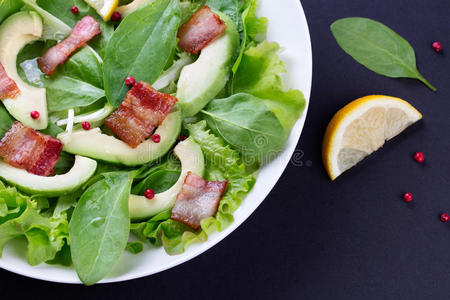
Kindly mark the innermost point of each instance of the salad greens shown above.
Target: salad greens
(140, 47)
(246, 123)
(8, 7)
(378, 48)
(237, 131)
(100, 226)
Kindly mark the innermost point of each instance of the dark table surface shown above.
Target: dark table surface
(351, 239)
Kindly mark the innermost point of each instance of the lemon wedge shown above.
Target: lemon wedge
(361, 127)
(104, 8)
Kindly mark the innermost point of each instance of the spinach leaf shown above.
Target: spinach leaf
(140, 47)
(84, 66)
(6, 121)
(377, 47)
(100, 226)
(77, 83)
(65, 92)
(61, 10)
(246, 123)
(8, 7)
(159, 177)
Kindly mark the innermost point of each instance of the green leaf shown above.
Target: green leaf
(100, 226)
(246, 123)
(259, 75)
(6, 121)
(8, 7)
(159, 177)
(140, 47)
(189, 7)
(61, 10)
(65, 92)
(377, 47)
(135, 247)
(45, 235)
(77, 83)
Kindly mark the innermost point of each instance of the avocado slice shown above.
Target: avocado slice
(201, 81)
(93, 143)
(15, 32)
(52, 186)
(127, 9)
(192, 160)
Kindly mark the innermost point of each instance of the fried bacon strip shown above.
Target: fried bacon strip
(8, 88)
(197, 200)
(202, 28)
(25, 148)
(86, 29)
(143, 109)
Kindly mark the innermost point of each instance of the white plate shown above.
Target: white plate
(288, 27)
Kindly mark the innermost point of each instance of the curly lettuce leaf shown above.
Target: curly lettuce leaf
(259, 75)
(222, 163)
(21, 217)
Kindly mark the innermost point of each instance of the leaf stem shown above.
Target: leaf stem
(424, 81)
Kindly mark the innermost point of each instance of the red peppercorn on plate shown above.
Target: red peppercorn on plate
(159, 126)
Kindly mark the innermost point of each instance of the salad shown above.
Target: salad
(143, 122)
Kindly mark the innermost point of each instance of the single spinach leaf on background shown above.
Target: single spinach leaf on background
(100, 226)
(6, 121)
(259, 75)
(140, 47)
(246, 123)
(378, 48)
(8, 7)
(61, 10)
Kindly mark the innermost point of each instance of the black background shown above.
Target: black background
(314, 239)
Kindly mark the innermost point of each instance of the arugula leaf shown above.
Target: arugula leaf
(378, 48)
(259, 75)
(222, 163)
(8, 7)
(140, 47)
(246, 123)
(100, 226)
(61, 10)
(23, 218)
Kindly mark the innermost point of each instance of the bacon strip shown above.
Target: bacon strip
(197, 200)
(8, 87)
(143, 109)
(86, 29)
(202, 28)
(25, 148)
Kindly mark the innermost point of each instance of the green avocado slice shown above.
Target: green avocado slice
(15, 32)
(201, 81)
(95, 144)
(192, 160)
(51, 186)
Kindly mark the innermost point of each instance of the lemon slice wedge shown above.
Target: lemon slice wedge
(362, 127)
(104, 8)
